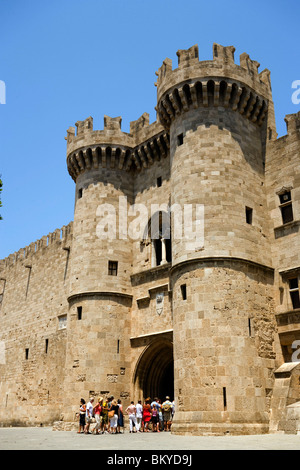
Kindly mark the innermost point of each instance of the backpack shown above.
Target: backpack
(167, 407)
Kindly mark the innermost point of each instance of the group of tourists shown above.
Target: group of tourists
(108, 415)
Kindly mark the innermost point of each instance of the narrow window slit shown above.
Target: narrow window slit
(183, 291)
(249, 327)
(79, 313)
(180, 139)
(249, 215)
(224, 398)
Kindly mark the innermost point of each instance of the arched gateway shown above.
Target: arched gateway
(154, 373)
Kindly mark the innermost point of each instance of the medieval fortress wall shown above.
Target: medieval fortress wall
(33, 309)
(82, 312)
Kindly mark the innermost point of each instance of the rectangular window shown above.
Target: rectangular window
(46, 345)
(286, 207)
(180, 139)
(159, 182)
(183, 291)
(79, 313)
(249, 213)
(113, 268)
(26, 354)
(62, 322)
(294, 292)
(80, 193)
(285, 197)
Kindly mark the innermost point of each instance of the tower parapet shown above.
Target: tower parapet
(293, 124)
(89, 149)
(112, 148)
(219, 82)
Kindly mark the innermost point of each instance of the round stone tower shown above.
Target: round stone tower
(219, 116)
(98, 327)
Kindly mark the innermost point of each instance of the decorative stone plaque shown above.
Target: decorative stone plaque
(159, 303)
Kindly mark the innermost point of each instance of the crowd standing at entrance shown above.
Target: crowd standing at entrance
(108, 415)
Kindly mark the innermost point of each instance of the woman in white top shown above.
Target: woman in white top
(139, 415)
(131, 411)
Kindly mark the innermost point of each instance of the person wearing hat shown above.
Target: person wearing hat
(167, 409)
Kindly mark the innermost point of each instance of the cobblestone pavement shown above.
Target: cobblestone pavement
(47, 439)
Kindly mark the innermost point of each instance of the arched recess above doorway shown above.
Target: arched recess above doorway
(154, 372)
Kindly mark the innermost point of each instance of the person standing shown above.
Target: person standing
(89, 415)
(160, 415)
(114, 418)
(146, 415)
(131, 411)
(167, 408)
(97, 414)
(109, 404)
(120, 417)
(82, 410)
(104, 416)
(155, 402)
(139, 415)
(155, 419)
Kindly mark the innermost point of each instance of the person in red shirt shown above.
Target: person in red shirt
(97, 414)
(146, 415)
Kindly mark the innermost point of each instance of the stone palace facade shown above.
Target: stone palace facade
(115, 303)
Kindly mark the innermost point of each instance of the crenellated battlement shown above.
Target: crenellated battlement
(112, 148)
(219, 82)
(87, 136)
(293, 124)
(62, 236)
(223, 64)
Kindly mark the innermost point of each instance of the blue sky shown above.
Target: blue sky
(65, 60)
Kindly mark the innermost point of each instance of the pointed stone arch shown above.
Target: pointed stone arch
(154, 372)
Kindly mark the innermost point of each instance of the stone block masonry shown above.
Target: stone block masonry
(87, 311)
(33, 313)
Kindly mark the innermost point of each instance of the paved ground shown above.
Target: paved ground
(46, 439)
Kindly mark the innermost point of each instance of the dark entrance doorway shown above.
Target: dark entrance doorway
(154, 375)
(166, 385)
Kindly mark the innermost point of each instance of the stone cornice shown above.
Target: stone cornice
(220, 259)
(87, 295)
(117, 156)
(211, 92)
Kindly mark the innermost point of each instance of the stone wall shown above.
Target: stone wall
(33, 308)
(223, 347)
(218, 313)
(282, 174)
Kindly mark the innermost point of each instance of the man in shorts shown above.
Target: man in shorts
(167, 409)
(89, 415)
